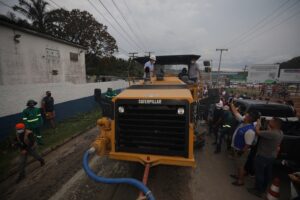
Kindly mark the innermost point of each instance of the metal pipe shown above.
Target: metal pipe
(145, 177)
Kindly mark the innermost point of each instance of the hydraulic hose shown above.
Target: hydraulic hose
(129, 181)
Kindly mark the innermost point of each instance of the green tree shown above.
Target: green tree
(81, 27)
(34, 10)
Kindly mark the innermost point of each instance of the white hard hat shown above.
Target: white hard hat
(153, 57)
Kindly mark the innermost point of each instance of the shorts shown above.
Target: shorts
(240, 157)
(50, 115)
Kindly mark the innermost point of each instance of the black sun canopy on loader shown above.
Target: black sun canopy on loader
(169, 59)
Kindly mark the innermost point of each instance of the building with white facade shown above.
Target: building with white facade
(32, 63)
(28, 57)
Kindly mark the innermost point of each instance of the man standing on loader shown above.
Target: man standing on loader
(150, 66)
(194, 71)
(33, 121)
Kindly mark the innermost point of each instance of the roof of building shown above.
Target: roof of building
(8, 24)
(170, 59)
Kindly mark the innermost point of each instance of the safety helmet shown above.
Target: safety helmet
(31, 102)
(20, 126)
(153, 57)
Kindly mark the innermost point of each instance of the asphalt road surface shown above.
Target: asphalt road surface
(62, 178)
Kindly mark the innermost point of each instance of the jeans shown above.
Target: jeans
(249, 166)
(221, 134)
(263, 172)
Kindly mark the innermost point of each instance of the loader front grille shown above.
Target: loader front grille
(152, 127)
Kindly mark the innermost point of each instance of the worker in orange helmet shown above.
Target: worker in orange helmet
(25, 140)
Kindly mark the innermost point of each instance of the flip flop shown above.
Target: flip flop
(236, 183)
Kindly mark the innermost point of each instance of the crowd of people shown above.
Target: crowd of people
(253, 148)
(275, 90)
(28, 132)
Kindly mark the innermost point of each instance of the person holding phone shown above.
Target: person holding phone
(242, 140)
(267, 151)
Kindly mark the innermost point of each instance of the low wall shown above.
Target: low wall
(70, 99)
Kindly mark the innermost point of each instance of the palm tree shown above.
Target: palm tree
(34, 10)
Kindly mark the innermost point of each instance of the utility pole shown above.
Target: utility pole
(131, 57)
(245, 68)
(149, 53)
(221, 51)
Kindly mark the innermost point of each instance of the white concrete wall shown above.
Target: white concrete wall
(32, 59)
(13, 98)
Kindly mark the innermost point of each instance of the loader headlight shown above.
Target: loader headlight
(180, 111)
(121, 109)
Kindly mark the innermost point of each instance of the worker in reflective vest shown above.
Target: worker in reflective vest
(225, 129)
(110, 93)
(33, 120)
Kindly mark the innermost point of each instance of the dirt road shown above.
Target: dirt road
(43, 182)
(63, 178)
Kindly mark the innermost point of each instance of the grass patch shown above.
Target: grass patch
(51, 137)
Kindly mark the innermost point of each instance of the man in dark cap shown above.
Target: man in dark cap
(48, 108)
(33, 120)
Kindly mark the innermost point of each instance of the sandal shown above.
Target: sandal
(236, 183)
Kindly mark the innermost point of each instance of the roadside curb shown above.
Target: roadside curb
(15, 170)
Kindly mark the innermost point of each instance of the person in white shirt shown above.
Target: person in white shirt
(150, 66)
(193, 71)
(242, 140)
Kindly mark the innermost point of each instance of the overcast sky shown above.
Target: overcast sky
(254, 31)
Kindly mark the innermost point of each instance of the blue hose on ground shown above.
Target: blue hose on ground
(130, 181)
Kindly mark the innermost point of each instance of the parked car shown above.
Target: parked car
(290, 146)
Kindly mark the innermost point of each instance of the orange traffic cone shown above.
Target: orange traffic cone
(273, 192)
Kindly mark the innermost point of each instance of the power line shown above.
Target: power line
(269, 29)
(133, 19)
(123, 50)
(262, 26)
(238, 38)
(131, 29)
(56, 4)
(6, 5)
(118, 23)
(109, 22)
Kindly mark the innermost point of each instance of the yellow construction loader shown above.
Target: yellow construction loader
(154, 121)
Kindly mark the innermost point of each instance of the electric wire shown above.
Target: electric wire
(101, 15)
(266, 23)
(56, 4)
(108, 11)
(98, 11)
(135, 22)
(267, 30)
(130, 27)
(257, 25)
(5, 4)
